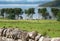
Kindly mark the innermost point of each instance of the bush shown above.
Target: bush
(58, 19)
(58, 16)
(11, 16)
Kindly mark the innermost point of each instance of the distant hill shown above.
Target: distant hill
(51, 4)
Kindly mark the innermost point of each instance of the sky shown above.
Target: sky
(21, 3)
(24, 0)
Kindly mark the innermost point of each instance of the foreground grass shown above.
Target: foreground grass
(51, 27)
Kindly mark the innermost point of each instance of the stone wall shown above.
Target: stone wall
(15, 34)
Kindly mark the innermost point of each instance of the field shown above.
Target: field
(50, 27)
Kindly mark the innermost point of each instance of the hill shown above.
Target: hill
(51, 4)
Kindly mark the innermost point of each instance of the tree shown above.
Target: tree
(26, 12)
(58, 18)
(18, 11)
(11, 16)
(30, 12)
(43, 11)
(55, 11)
(10, 11)
(2, 12)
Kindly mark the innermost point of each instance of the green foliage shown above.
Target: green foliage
(26, 11)
(11, 16)
(58, 16)
(18, 11)
(11, 11)
(43, 11)
(30, 11)
(2, 12)
(55, 11)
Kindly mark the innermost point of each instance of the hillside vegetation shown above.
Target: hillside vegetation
(49, 27)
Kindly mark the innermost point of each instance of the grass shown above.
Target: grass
(51, 27)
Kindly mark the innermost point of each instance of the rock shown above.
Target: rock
(15, 34)
(47, 39)
(4, 32)
(9, 39)
(31, 40)
(32, 34)
(19, 35)
(37, 37)
(25, 36)
(1, 39)
(4, 38)
(55, 39)
(19, 40)
(41, 38)
(1, 29)
(9, 30)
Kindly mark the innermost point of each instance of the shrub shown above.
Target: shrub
(11, 16)
(58, 16)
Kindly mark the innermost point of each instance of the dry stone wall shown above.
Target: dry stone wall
(15, 34)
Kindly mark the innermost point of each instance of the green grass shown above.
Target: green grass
(51, 27)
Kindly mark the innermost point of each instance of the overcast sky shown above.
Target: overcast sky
(25, 0)
(21, 3)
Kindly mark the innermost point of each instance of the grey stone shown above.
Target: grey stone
(55, 39)
(47, 39)
(14, 33)
(1, 29)
(1, 39)
(37, 37)
(25, 36)
(8, 32)
(9, 39)
(4, 32)
(41, 38)
(31, 40)
(4, 38)
(32, 34)
(19, 40)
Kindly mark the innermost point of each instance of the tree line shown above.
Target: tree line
(30, 11)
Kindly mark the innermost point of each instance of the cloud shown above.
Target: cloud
(11, 0)
(19, 5)
(26, 0)
(32, 0)
(38, 0)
